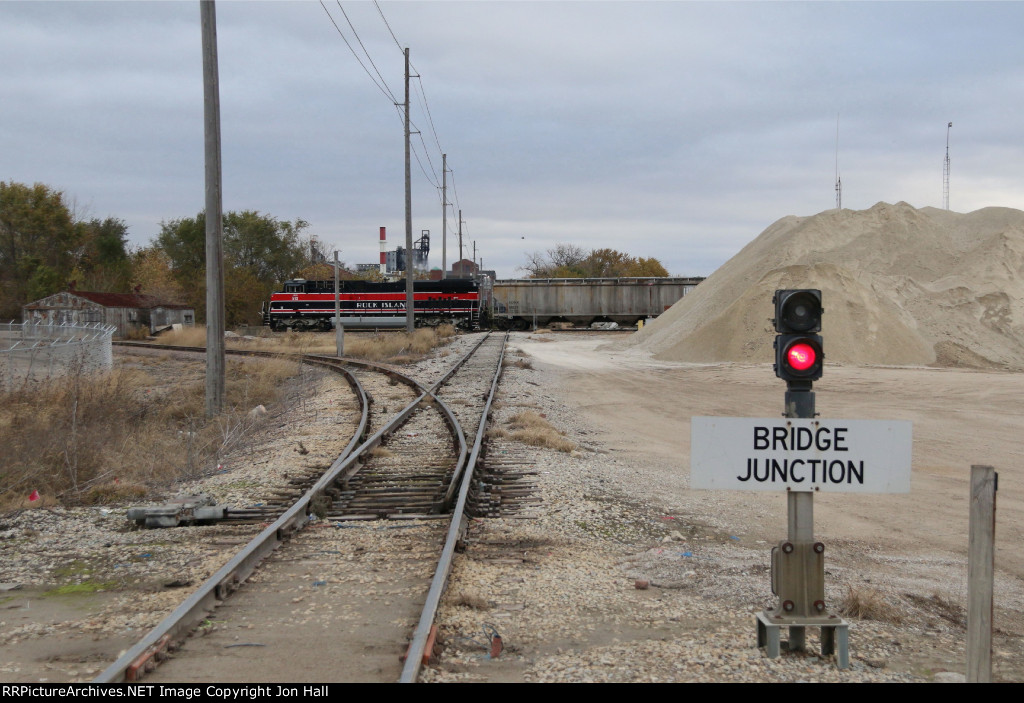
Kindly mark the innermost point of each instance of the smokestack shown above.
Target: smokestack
(383, 251)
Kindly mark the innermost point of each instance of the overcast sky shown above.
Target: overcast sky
(678, 130)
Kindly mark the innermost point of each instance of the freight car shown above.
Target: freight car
(523, 303)
(309, 305)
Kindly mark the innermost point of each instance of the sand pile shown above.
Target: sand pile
(899, 285)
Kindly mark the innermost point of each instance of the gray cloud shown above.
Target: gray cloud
(676, 130)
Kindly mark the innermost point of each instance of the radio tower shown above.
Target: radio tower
(945, 172)
(839, 181)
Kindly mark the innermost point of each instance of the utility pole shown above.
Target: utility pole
(214, 222)
(410, 322)
(444, 216)
(339, 329)
(460, 242)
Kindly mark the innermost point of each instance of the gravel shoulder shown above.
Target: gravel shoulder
(618, 509)
(557, 581)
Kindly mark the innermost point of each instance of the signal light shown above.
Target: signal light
(797, 311)
(798, 357)
(799, 354)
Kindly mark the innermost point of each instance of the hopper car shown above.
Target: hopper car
(528, 302)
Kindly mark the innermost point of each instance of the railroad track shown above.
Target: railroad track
(404, 470)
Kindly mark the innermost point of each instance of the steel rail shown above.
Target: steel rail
(417, 648)
(183, 619)
(144, 655)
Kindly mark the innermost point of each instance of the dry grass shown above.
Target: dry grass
(865, 603)
(533, 429)
(101, 438)
(392, 347)
(185, 337)
(472, 601)
(940, 606)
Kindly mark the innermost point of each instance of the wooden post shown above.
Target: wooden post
(215, 364)
(980, 572)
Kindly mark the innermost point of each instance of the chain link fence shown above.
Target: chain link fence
(30, 351)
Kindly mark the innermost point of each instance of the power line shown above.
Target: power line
(422, 92)
(397, 43)
(363, 46)
(430, 118)
(383, 89)
(400, 107)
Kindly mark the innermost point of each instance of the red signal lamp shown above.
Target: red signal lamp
(798, 357)
(801, 356)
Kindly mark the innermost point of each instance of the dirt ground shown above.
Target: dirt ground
(960, 418)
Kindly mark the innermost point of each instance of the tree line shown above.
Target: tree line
(571, 261)
(45, 246)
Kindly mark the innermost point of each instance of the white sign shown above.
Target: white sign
(795, 454)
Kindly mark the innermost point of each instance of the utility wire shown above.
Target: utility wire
(426, 109)
(397, 43)
(383, 89)
(426, 153)
(386, 91)
(419, 79)
(363, 46)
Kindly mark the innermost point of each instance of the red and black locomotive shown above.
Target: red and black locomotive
(309, 305)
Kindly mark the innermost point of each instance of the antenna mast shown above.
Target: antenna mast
(839, 181)
(945, 172)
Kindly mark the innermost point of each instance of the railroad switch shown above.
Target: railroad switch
(184, 510)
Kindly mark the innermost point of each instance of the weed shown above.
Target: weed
(532, 428)
(470, 600)
(865, 603)
(71, 589)
(89, 439)
(319, 506)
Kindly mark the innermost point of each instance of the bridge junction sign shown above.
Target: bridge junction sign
(797, 454)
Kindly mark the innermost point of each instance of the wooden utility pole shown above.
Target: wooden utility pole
(410, 322)
(444, 216)
(214, 223)
(461, 272)
(981, 573)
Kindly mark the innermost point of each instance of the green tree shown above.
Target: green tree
(151, 272)
(570, 261)
(38, 244)
(259, 252)
(103, 261)
(646, 268)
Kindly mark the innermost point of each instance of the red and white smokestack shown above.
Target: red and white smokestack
(383, 251)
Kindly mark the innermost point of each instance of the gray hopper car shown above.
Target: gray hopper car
(521, 303)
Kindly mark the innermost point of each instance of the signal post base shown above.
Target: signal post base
(835, 635)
